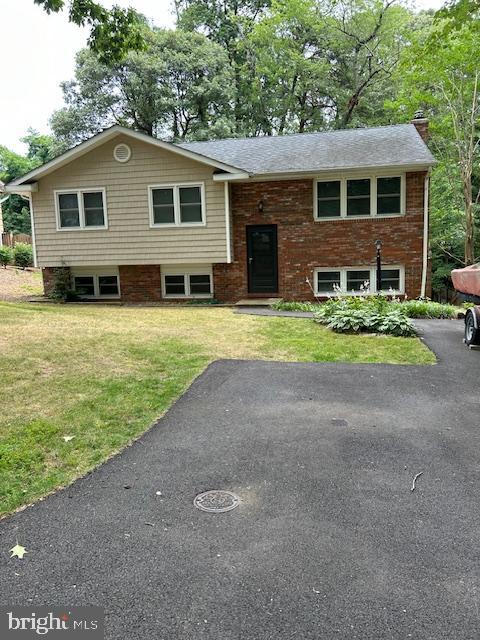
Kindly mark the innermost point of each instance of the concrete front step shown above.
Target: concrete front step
(257, 302)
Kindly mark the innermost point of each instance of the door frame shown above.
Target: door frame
(262, 227)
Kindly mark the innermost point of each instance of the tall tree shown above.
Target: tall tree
(180, 88)
(229, 23)
(445, 79)
(113, 32)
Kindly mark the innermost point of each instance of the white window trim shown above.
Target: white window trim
(176, 205)
(186, 282)
(373, 279)
(81, 211)
(373, 196)
(96, 285)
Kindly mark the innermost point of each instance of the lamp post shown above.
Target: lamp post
(378, 246)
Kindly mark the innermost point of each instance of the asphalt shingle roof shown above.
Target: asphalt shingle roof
(394, 145)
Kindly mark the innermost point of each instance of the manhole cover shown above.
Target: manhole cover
(217, 501)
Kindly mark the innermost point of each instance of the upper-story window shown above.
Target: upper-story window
(177, 205)
(81, 209)
(359, 197)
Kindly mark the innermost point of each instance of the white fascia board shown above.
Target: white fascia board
(105, 136)
(21, 189)
(230, 177)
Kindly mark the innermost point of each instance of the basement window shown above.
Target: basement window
(187, 285)
(358, 280)
(96, 286)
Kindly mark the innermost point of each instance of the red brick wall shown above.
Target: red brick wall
(304, 244)
(140, 283)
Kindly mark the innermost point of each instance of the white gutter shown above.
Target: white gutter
(22, 189)
(224, 177)
(227, 222)
(425, 236)
(32, 224)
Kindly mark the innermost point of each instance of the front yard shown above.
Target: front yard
(78, 383)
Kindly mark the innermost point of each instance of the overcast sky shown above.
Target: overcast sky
(37, 52)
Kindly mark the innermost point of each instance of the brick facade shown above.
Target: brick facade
(50, 275)
(140, 283)
(304, 244)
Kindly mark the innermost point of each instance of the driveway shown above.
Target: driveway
(328, 542)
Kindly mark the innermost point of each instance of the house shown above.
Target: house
(142, 220)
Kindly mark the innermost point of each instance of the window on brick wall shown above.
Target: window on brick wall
(358, 280)
(187, 285)
(357, 198)
(96, 285)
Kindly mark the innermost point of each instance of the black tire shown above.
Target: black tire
(472, 332)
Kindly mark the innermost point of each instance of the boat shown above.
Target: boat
(467, 283)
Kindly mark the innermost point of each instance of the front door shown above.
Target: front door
(262, 259)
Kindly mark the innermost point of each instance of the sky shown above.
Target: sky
(37, 52)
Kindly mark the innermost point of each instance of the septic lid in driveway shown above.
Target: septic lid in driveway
(216, 501)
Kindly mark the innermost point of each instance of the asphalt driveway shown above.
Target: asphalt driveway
(328, 542)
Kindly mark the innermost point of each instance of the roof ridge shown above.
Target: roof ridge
(294, 135)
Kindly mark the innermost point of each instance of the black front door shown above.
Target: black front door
(262, 258)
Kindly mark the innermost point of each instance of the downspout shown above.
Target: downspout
(227, 221)
(32, 224)
(425, 236)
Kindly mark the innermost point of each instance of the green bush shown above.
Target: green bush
(62, 286)
(6, 255)
(428, 309)
(23, 255)
(395, 323)
(421, 308)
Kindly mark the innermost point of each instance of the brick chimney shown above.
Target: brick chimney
(421, 125)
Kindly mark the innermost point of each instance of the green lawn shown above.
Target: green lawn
(104, 374)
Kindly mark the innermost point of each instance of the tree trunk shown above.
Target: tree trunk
(469, 222)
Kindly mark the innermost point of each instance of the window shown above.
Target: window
(97, 286)
(389, 196)
(391, 279)
(187, 285)
(328, 199)
(84, 285)
(358, 280)
(175, 286)
(69, 210)
(328, 281)
(345, 197)
(81, 209)
(177, 205)
(358, 197)
(190, 204)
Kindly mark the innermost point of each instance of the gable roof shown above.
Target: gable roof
(390, 146)
(109, 134)
(393, 145)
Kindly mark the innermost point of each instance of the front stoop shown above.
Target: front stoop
(257, 302)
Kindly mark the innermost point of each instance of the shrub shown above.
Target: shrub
(62, 286)
(352, 321)
(281, 305)
(423, 308)
(23, 255)
(6, 255)
(395, 323)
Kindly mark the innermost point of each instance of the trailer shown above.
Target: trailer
(467, 283)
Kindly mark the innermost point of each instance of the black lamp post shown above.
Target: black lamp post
(378, 246)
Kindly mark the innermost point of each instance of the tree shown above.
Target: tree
(446, 81)
(113, 32)
(16, 214)
(179, 87)
(229, 23)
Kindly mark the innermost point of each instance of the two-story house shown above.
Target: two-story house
(142, 220)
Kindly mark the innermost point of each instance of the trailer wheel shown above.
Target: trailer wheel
(472, 332)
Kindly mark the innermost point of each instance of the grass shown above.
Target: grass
(104, 374)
